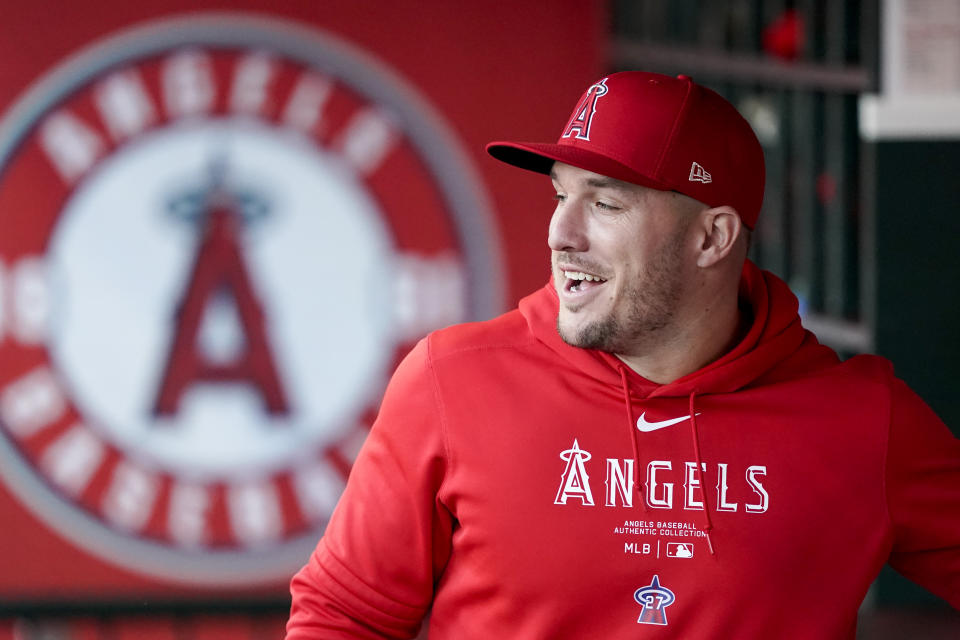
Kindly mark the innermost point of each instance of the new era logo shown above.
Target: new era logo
(699, 174)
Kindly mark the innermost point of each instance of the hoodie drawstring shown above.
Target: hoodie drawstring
(695, 436)
(700, 471)
(633, 435)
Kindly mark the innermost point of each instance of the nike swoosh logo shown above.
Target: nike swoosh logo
(647, 427)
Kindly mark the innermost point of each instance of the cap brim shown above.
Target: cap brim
(539, 157)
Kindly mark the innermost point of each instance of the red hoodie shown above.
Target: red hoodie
(524, 488)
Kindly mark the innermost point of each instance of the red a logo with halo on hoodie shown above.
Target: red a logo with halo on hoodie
(655, 598)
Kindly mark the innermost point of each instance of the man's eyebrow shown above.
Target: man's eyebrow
(604, 183)
(599, 183)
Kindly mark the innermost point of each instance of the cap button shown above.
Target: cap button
(684, 77)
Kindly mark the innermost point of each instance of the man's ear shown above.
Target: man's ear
(718, 229)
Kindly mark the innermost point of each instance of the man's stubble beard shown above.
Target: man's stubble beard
(652, 301)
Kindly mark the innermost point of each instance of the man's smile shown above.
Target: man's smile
(580, 281)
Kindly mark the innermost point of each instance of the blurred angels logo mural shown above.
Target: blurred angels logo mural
(220, 236)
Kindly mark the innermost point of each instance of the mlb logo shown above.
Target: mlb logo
(679, 549)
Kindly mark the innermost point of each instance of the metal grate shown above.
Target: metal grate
(795, 70)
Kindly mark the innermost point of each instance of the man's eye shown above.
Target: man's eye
(605, 206)
(560, 197)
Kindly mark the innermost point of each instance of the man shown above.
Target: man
(651, 445)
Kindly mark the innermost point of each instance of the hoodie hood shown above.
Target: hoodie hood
(775, 335)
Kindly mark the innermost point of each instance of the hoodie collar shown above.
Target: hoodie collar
(774, 334)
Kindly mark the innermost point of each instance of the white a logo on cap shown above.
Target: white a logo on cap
(583, 115)
(699, 174)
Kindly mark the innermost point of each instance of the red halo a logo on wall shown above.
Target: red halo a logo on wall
(220, 236)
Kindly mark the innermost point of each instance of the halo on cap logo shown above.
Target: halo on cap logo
(221, 234)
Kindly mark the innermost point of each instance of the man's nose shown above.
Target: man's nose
(568, 227)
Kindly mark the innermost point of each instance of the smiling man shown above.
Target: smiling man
(624, 280)
(649, 446)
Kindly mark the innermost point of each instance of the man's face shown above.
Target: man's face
(618, 260)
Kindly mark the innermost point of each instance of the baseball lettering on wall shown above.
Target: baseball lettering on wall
(221, 234)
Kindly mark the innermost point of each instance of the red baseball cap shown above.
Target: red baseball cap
(660, 132)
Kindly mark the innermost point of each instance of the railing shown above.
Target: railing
(795, 70)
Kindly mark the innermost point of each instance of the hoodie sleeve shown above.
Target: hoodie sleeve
(388, 540)
(923, 496)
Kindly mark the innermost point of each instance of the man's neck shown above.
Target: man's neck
(705, 335)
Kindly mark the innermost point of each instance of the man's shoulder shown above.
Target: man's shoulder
(863, 368)
(866, 368)
(505, 332)
(860, 376)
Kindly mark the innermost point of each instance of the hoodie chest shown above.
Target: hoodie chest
(567, 463)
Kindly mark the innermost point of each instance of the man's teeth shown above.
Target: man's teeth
(577, 275)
